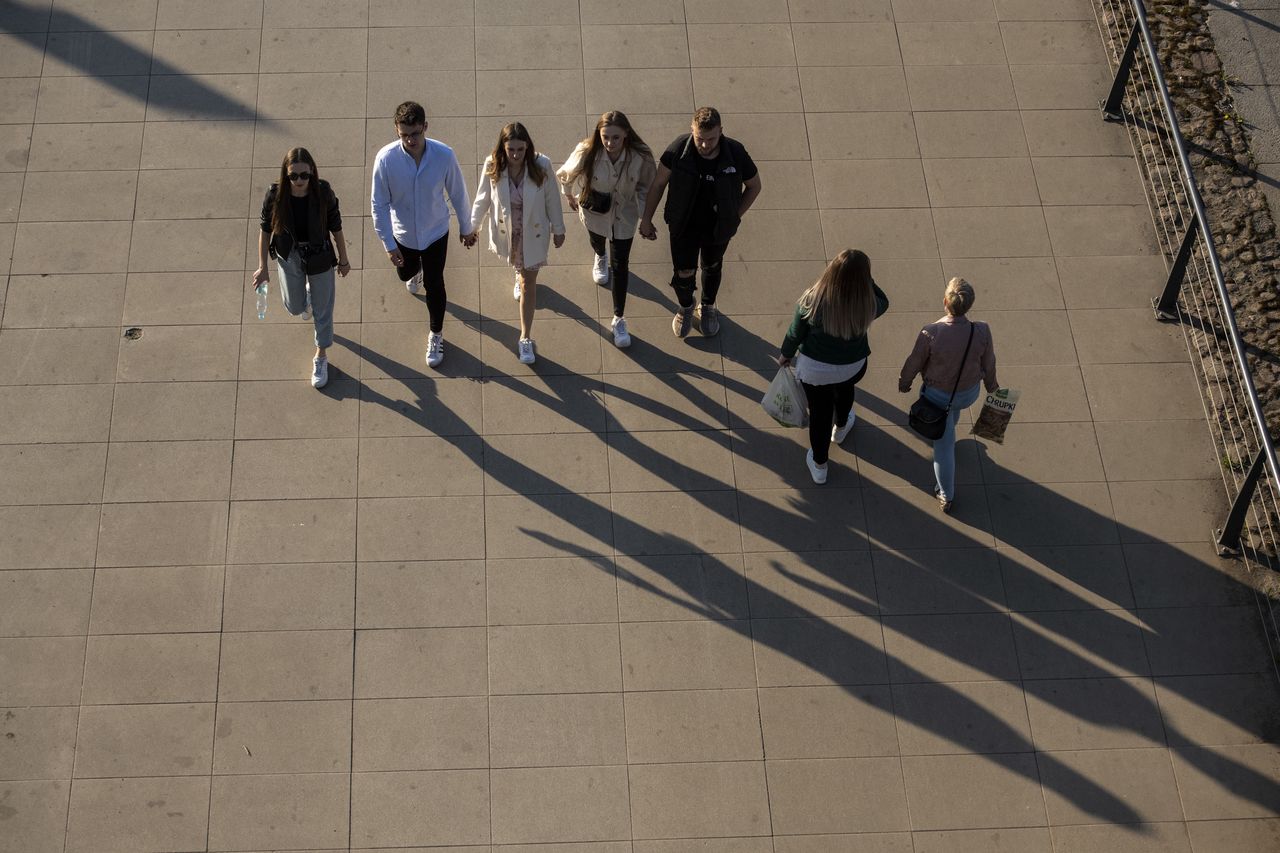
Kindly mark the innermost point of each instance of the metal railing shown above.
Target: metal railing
(1195, 293)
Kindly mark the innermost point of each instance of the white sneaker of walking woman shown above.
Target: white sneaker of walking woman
(621, 337)
(435, 349)
(816, 471)
(414, 285)
(320, 372)
(600, 270)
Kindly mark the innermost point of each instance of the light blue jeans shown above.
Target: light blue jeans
(944, 449)
(293, 291)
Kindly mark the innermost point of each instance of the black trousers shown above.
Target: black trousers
(619, 266)
(687, 249)
(829, 405)
(431, 261)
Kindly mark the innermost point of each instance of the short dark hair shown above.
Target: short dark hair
(410, 113)
(706, 118)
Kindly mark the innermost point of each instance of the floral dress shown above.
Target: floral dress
(517, 225)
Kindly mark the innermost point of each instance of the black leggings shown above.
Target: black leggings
(431, 261)
(829, 405)
(619, 271)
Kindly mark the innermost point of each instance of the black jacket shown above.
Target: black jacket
(323, 218)
(733, 167)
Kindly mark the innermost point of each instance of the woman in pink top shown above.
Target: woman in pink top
(939, 356)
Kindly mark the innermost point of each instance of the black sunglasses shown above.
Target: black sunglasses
(299, 176)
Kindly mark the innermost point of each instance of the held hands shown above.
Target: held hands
(468, 240)
(558, 240)
(647, 231)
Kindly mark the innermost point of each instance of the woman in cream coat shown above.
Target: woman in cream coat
(615, 161)
(518, 195)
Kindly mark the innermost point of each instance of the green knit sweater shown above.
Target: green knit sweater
(809, 338)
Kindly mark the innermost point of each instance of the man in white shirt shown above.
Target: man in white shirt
(411, 178)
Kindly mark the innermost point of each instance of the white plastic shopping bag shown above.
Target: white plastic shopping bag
(785, 401)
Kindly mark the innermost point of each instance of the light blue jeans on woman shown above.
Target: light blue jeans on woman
(293, 290)
(944, 449)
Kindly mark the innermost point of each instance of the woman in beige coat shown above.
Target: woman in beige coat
(518, 196)
(612, 162)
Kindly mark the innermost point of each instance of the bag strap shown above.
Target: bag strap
(963, 359)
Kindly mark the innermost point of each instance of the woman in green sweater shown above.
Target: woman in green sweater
(829, 333)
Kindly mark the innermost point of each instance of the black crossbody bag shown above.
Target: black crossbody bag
(928, 418)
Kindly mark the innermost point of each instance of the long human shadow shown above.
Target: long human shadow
(62, 35)
(827, 649)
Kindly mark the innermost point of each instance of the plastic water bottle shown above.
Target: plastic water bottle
(262, 300)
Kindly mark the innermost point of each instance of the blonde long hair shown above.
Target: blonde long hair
(631, 142)
(842, 301)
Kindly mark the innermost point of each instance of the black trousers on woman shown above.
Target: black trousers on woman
(829, 405)
(619, 267)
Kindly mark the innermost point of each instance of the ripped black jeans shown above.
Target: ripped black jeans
(686, 251)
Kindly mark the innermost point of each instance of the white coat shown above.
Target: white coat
(543, 215)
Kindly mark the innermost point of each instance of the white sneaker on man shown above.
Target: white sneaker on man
(319, 372)
(414, 285)
(621, 337)
(524, 351)
(600, 270)
(435, 349)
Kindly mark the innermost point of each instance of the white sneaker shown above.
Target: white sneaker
(621, 337)
(414, 285)
(818, 472)
(516, 292)
(600, 271)
(525, 351)
(435, 349)
(320, 372)
(840, 433)
(306, 311)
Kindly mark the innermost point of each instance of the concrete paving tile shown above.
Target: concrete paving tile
(724, 44)
(937, 581)
(865, 184)
(802, 652)
(991, 232)
(1165, 511)
(292, 409)
(23, 57)
(1088, 644)
(39, 822)
(1203, 640)
(650, 46)
(15, 147)
(280, 665)
(42, 671)
(1088, 180)
(791, 185)
(210, 51)
(282, 13)
(1004, 840)
(333, 142)
(1010, 283)
(230, 143)
(756, 454)
(140, 668)
(949, 647)
(293, 596)
(1060, 87)
(901, 233)
(294, 468)
(843, 44)
(308, 531)
(87, 98)
(63, 195)
(63, 301)
(425, 466)
(449, 93)
(876, 135)
(1021, 458)
(656, 12)
(837, 795)
(420, 662)
(312, 49)
(1227, 781)
(1044, 10)
(557, 730)
(970, 133)
(18, 99)
(543, 526)
(854, 89)
(693, 725)
(44, 603)
(92, 15)
(942, 10)
(420, 734)
(119, 815)
(1246, 834)
(1072, 133)
(1066, 577)
(817, 583)
(778, 235)
(102, 247)
(58, 356)
(1169, 449)
(969, 791)
(40, 743)
(1069, 402)
(909, 518)
(205, 97)
(968, 87)
(827, 722)
(755, 844)
(47, 537)
(1064, 514)
(144, 740)
(972, 717)
(650, 461)
(192, 193)
(279, 811)
(420, 594)
(395, 407)
(1125, 391)
(710, 656)
(11, 187)
(151, 249)
(167, 599)
(151, 299)
(432, 807)
(1138, 838)
(1117, 785)
(560, 804)
(30, 18)
(163, 534)
(282, 737)
(688, 586)
(534, 464)
(1051, 42)
(566, 347)
(647, 523)
(698, 800)
(1213, 710)
(893, 458)
(655, 351)
(180, 353)
(561, 590)
(747, 90)
(827, 10)
(935, 42)
(1188, 574)
(299, 94)
(978, 182)
(542, 92)
(551, 404)
(437, 47)
(51, 473)
(1094, 713)
(172, 411)
(508, 48)
(554, 659)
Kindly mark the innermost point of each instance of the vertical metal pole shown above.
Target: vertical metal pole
(1167, 304)
(1111, 106)
(1228, 538)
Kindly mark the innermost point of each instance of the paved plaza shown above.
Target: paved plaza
(596, 603)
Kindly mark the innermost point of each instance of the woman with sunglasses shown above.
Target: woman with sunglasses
(299, 215)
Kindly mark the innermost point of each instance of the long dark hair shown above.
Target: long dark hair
(281, 210)
(498, 159)
(630, 142)
(842, 300)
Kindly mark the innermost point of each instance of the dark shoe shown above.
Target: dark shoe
(682, 322)
(708, 320)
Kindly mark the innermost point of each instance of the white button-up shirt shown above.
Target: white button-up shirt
(409, 198)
